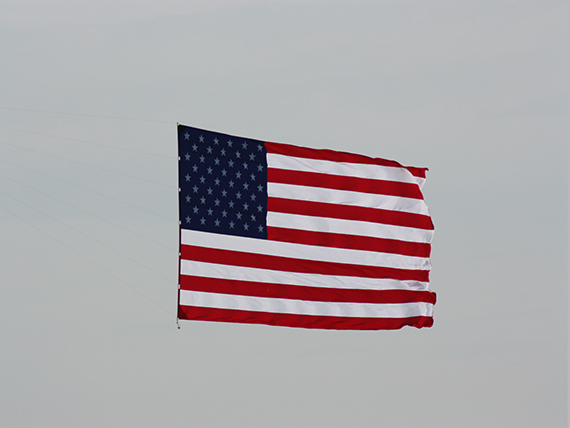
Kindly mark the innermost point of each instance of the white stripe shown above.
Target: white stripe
(240, 273)
(346, 169)
(346, 197)
(305, 252)
(348, 227)
(303, 307)
(420, 181)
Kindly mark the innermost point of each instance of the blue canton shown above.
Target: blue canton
(222, 183)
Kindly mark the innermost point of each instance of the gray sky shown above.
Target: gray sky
(475, 90)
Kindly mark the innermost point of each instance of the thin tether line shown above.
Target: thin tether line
(86, 115)
(87, 236)
(89, 142)
(89, 213)
(57, 240)
(86, 164)
(89, 190)
(87, 259)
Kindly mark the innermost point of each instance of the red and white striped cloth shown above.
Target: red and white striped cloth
(348, 245)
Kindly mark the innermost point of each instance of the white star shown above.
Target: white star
(202, 158)
(217, 223)
(224, 213)
(195, 168)
(223, 152)
(260, 227)
(252, 156)
(238, 175)
(259, 208)
(187, 156)
(202, 179)
(203, 221)
(217, 202)
(245, 165)
(244, 146)
(238, 216)
(231, 183)
(224, 193)
(209, 190)
(231, 224)
(260, 148)
(252, 217)
(210, 211)
(195, 209)
(231, 163)
(201, 138)
(230, 143)
(259, 168)
(238, 155)
(246, 226)
(253, 196)
(209, 170)
(245, 206)
(224, 172)
(203, 200)
(187, 177)
(188, 219)
(216, 141)
(260, 188)
(238, 195)
(188, 198)
(246, 186)
(194, 147)
(217, 161)
(209, 150)
(187, 136)
(231, 204)
(217, 181)
(195, 189)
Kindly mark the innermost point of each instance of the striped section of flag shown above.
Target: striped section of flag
(290, 236)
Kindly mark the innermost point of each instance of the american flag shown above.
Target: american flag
(283, 235)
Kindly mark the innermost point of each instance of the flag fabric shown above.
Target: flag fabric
(282, 235)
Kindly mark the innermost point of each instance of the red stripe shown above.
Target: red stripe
(262, 261)
(352, 242)
(339, 182)
(297, 292)
(303, 321)
(332, 155)
(349, 212)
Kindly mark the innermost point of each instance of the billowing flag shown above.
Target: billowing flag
(282, 235)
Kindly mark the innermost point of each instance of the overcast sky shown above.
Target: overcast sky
(477, 91)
